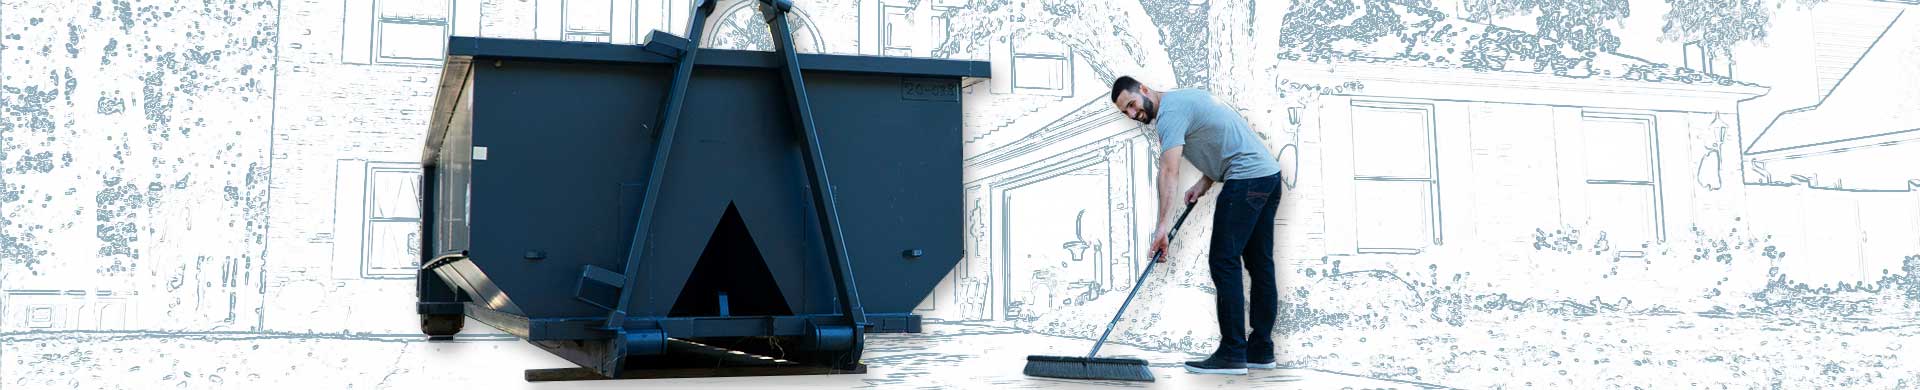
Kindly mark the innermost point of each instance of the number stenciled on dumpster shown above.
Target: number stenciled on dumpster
(933, 90)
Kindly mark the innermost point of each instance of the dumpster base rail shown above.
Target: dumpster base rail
(690, 347)
(690, 359)
(545, 329)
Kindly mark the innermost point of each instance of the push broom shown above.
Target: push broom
(1090, 367)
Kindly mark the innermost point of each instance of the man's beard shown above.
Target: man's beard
(1148, 109)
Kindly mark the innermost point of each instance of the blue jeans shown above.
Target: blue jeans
(1243, 238)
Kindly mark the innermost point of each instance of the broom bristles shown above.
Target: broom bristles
(1077, 367)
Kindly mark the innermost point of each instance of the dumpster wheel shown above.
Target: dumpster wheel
(441, 324)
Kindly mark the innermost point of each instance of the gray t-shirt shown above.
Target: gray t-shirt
(1217, 139)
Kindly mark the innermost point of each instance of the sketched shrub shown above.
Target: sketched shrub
(1296, 316)
(1560, 240)
(1910, 278)
(1696, 269)
(1370, 299)
(1848, 301)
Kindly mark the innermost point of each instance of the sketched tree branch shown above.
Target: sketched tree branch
(1183, 29)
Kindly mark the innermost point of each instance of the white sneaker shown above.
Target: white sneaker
(1205, 367)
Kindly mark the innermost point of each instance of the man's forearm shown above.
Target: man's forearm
(1169, 180)
(1170, 195)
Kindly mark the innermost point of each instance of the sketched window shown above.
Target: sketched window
(587, 20)
(393, 219)
(1396, 188)
(1042, 66)
(896, 31)
(1623, 179)
(39, 316)
(412, 30)
(649, 17)
(392, 32)
(376, 219)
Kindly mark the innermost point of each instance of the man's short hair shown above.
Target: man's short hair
(1124, 83)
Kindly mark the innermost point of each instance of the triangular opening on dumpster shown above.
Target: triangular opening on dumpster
(730, 264)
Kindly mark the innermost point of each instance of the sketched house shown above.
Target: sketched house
(1453, 154)
(1053, 180)
(1454, 151)
(1824, 161)
(1436, 160)
(1459, 146)
(1835, 162)
(1863, 131)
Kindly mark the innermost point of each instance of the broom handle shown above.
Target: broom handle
(1138, 283)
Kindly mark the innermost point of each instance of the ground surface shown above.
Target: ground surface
(1605, 350)
(945, 356)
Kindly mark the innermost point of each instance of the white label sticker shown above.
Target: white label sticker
(479, 153)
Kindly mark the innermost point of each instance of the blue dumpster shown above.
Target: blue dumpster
(619, 204)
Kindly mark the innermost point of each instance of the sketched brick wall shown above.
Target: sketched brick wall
(134, 145)
(350, 98)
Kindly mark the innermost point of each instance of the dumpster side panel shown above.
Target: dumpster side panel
(893, 146)
(567, 149)
(737, 146)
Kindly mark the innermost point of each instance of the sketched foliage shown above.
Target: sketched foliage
(1183, 28)
(1581, 24)
(1313, 28)
(1097, 33)
(1719, 24)
(1497, 46)
(1911, 267)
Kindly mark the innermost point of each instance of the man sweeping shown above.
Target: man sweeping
(1191, 123)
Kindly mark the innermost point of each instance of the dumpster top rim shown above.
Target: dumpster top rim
(462, 51)
(467, 48)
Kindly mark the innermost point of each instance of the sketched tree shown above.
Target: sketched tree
(1718, 25)
(1105, 35)
(1580, 24)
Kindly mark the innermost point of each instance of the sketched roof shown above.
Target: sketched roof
(1430, 38)
(1875, 103)
(986, 116)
